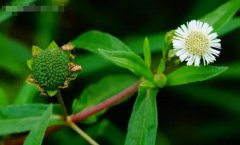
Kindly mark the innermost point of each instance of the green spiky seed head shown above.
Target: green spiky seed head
(50, 68)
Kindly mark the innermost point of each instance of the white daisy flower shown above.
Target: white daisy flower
(196, 41)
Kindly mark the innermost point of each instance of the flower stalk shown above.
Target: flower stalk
(63, 107)
(82, 133)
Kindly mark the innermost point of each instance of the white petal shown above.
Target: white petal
(178, 38)
(206, 29)
(197, 61)
(216, 45)
(184, 56)
(214, 52)
(207, 59)
(216, 40)
(180, 32)
(190, 60)
(209, 30)
(192, 25)
(180, 52)
(213, 36)
(210, 57)
(204, 60)
(184, 28)
(200, 25)
(178, 44)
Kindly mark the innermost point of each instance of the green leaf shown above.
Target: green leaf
(160, 80)
(112, 48)
(232, 25)
(30, 63)
(52, 93)
(13, 56)
(92, 63)
(36, 50)
(96, 93)
(161, 67)
(147, 52)
(128, 60)
(142, 127)
(222, 15)
(167, 43)
(147, 84)
(93, 40)
(190, 74)
(156, 41)
(26, 94)
(36, 134)
(21, 118)
(3, 98)
(53, 45)
(15, 6)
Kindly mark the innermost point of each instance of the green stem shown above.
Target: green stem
(82, 133)
(64, 110)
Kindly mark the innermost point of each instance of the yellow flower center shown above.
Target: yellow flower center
(197, 43)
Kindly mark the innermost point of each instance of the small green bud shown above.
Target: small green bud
(160, 80)
(167, 43)
(50, 68)
(148, 84)
(169, 36)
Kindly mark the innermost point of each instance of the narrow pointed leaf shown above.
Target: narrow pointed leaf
(128, 60)
(232, 25)
(147, 52)
(52, 93)
(29, 63)
(161, 67)
(36, 50)
(190, 74)
(222, 15)
(156, 41)
(53, 45)
(36, 134)
(10, 58)
(142, 127)
(21, 118)
(93, 40)
(114, 50)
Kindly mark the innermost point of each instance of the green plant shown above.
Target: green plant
(148, 80)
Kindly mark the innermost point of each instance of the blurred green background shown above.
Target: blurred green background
(205, 113)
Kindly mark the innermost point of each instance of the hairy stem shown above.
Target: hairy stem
(63, 107)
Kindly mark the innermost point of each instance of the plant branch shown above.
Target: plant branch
(105, 104)
(82, 133)
(63, 107)
(81, 115)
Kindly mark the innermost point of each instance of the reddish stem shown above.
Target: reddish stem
(84, 114)
(105, 104)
